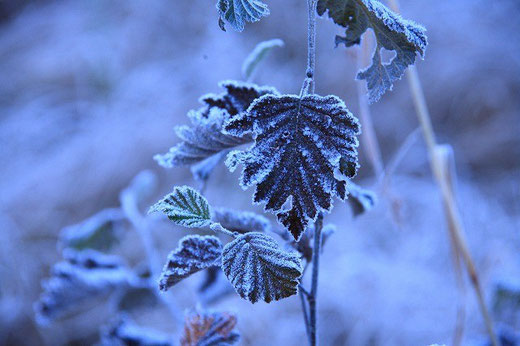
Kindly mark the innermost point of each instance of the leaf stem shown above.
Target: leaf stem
(218, 228)
(311, 43)
(313, 294)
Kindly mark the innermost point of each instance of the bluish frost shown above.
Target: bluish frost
(81, 277)
(259, 270)
(392, 32)
(241, 221)
(214, 287)
(238, 12)
(193, 254)
(184, 206)
(258, 54)
(205, 137)
(210, 328)
(361, 200)
(124, 331)
(299, 143)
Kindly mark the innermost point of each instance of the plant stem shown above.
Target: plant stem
(313, 294)
(454, 219)
(311, 43)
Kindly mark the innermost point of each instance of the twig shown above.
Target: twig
(454, 218)
(305, 314)
(312, 298)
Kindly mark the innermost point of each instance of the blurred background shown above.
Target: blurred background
(91, 89)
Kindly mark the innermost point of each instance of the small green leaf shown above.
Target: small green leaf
(184, 206)
(257, 55)
(258, 269)
(238, 12)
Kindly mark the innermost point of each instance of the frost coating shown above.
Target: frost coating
(185, 207)
(258, 269)
(238, 12)
(392, 32)
(299, 143)
(205, 138)
(81, 277)
(126, 332)
(193, 254)
(207, 328)
(241, 221)
(361, 200)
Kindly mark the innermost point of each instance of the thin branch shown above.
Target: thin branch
(454, 218)
(313, 295)
(311, 44)
(305, 314)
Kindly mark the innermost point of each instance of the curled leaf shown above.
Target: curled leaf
(210, 328)
(361, 200)
(257, 55)
(125, 332)
(392, 32)
(194, 254)
(241, 221)
(300, 143)
(258, 269)
(205, 138)
(184, 206)
(238, 12)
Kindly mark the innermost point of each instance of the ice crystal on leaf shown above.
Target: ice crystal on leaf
(185, 207)
(258, 269)
(205, 138)
(392, 32)
(238, 12)
(300, 143)
(194, 253)
(210, 329)
(82, 277)
(125, 332)
(241, 221)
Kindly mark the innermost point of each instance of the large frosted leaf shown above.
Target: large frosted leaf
(185, 207)
(80, 279)
(206, 328)
(238, 12)
(392, 32)
(205, 138)
(300, 144)
(258, 269)
(194, 254)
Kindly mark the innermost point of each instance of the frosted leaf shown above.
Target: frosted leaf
(82, 277)
(258, 269)
(392, 32)
(210, 329)
(299, 143)
(361, 200)
(124, 332)
(257, 55)
(214, 287)
(193, 254)
(100, 231)
(238, 12)
(202, 170)
(184, 206)
(205, 138)
(241, 221)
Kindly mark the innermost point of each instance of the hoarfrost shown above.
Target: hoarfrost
(241, 221)
(238, 12)
(299, 143)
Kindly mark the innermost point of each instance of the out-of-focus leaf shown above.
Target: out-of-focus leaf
(205, 138)
(238, 12)
(361, 200)
(194, 254)
(241, 221)
(184, 206)
(506, 301)
(258, 269)
(141, 187)
(100, 232)
(257, 55)
(125, 332)
(392, 32)
(83, 276)
(214, 287)
(202, 170)
(210, 329)
(135, 298)
(299, 144)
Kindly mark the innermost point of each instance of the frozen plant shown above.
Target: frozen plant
(299, 151)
